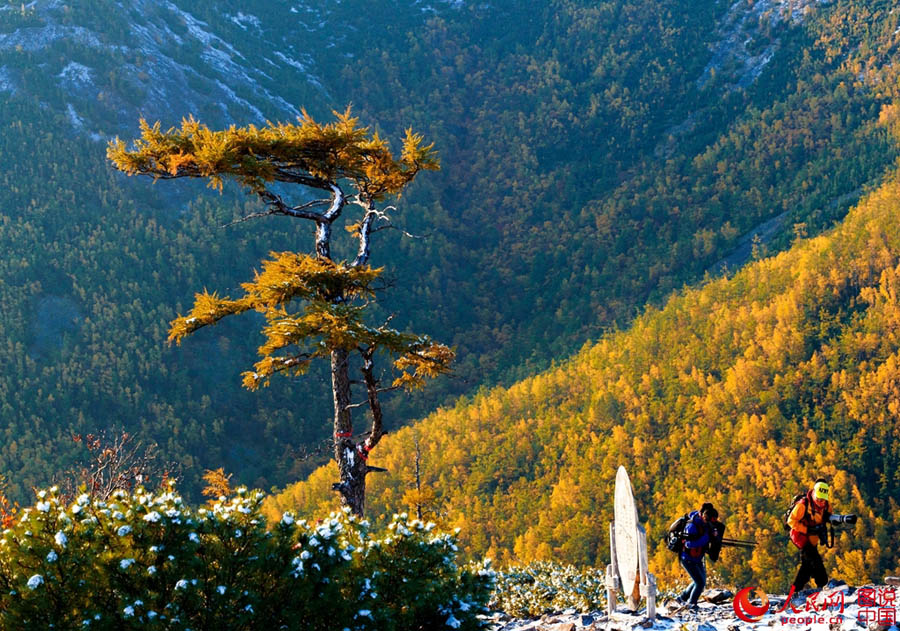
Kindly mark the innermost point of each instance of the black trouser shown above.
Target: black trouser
(811, 567)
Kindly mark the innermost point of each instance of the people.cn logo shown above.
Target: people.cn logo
(747, 611)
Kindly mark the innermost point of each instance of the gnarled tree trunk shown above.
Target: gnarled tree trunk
(352, 468)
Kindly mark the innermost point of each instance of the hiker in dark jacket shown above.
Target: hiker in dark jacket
(701, 530)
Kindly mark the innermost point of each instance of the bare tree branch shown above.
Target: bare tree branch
(374, 403)
(391, 226)
(278, 207)
(364, 403)
(418, 477)
(115, 463)
(337, 202)
(323, 228)
(368, 227)
(320, 450)
(284, 174)
(365, 229)
(247, 218)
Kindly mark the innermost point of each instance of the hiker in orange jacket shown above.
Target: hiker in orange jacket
(808, 521)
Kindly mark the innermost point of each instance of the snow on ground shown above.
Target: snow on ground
(77, 73)
(6, 84)
(37, 38)
(738, 36)
(842, 608)
(243, 20)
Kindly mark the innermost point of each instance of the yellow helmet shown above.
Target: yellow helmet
(821, 491)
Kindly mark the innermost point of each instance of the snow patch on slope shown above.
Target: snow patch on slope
(243, 20)
(78, 124)
(235, 98)
(164, 59)
(745, 47)
(289, 61)
(154, 58)
(195, 27)
(37, 38)
(77, 73)
(6, 81)
(748, 39)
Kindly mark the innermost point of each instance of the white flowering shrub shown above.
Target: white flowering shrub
(541, 587)
(412, 580)
(148, 561)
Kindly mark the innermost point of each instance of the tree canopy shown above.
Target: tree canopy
(307, 153)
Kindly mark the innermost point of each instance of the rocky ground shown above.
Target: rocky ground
(840, 608)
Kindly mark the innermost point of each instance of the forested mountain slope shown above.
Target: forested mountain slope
(620, 174)
(594, 157)
(740, 392)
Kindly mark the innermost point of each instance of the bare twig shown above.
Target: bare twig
(360, 404)
(391, 226)
(374, 404)
(320, 450)
(114, 463)
(247, 218)
(278, 207)
(418, 478)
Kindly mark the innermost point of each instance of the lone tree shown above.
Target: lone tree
(314, 306)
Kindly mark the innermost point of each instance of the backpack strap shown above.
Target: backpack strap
(805, 501)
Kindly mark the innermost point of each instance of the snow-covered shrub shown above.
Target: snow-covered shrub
(146, 560)
(541, 587)
(412, 580)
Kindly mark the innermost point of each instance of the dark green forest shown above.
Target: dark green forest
(591, 164)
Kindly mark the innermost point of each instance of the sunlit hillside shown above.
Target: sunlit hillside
(740, 391)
